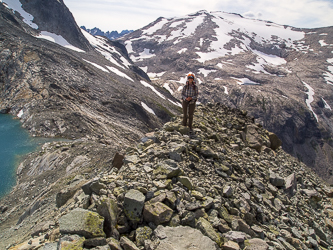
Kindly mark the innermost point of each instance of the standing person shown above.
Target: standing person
(189, 97)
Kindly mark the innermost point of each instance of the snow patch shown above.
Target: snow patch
(275, 60)
(330, 60)
(16, 5)
(152, 88)
(329, 75)
(143, 55)
(245, 81)
(119, 73)
(96, 65)
(182, 51)
(144, 68)
(156, 27)
(310, 99)
(58, 39)
(175, 103)
(167, 87)
(147, 108)
(322, 43)
(206, 72)
(326, 104)
(20, 114)
(226, 90)
(323, 34)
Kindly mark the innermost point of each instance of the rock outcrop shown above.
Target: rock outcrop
(235, 197)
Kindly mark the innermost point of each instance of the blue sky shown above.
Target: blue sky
(117, 15)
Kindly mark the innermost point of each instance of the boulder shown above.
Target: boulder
(256, 244)
(182, 238)
(185, 181)
(252, 138)
(236, 236)
(291, 184)
(117, 161)
(275, 179)
(71, 242)
(108, 209)
(207, 229)
(127, 244)
(64, 195)
(142, 234)
(169, 168)
(231, 245)
(114, 244)
(82, 222)
(275, 141)
(157, 212)
(133, 204)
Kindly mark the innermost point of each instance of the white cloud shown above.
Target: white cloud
(131, 14)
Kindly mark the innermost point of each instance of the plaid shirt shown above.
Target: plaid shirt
(188, 91)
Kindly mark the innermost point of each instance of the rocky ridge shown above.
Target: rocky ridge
(281, 75)
(110, 35)
(228, 184)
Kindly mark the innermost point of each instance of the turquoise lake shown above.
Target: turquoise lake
(14, 143)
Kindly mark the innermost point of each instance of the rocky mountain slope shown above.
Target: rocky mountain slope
(228, 185)
(282, 75)
(59, 86)
(110, 35)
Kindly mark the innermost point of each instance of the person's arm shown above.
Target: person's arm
(183, 94)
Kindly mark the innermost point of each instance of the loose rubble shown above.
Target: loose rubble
(218, 187)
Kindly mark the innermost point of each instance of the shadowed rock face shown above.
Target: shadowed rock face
(54, 16)
(270, 70)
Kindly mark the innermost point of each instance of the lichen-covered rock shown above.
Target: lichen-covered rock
(206, 228)
(133, 204)
(82, 222)
(108, 209)
(169, 168)
(142, 234)
(185, 181)
(157, 212)
(71, 242)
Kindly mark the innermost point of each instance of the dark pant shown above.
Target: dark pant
(190, 108)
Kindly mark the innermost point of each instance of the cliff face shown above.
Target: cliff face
(282, 75)
(59, 89)
(229, 183)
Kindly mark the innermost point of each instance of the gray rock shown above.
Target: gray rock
(274, 140)
(256, 244)
(64, 195)
(181, 238)
(168, 168)
(134, 159)
(108, 209)
(291, 184)
(114, 244)
(185, 181)
(227, 191)
(82, 222)
(275, 179)
(94, 242)
(206, 228)
(50, 246)
(236, 236)
(133, 204)
(71, 241)
(157, 212)
(127, 244)
(142, 234)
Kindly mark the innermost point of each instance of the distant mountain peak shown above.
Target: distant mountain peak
(111, 35)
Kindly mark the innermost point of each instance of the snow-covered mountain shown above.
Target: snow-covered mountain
(110, 35)
(282, 75)
(90, 76)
